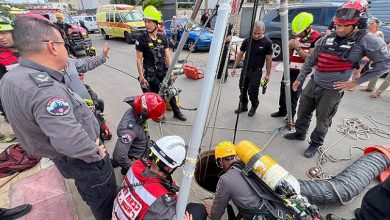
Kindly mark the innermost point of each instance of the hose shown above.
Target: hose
(348, 184)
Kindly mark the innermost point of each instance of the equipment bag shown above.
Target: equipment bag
(192, 72)
(14, 159)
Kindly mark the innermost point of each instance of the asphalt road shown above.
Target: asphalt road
(117, 79)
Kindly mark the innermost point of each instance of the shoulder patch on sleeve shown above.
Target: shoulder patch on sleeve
(58, 106)
(126, 138)
(42, 79)
(385, 50)
(137, 42)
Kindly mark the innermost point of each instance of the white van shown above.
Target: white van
(89, 22)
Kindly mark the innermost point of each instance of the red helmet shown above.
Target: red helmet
(149, 105)
(350, 12)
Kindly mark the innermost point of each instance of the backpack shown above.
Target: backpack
(14, 159)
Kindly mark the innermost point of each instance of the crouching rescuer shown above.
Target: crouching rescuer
(257, 185)
(133, 135)
(148, 190)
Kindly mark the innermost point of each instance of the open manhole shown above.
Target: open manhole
(207, 172)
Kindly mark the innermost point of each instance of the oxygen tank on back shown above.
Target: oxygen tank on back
(268, 170)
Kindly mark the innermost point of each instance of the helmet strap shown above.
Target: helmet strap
(155, 28)
(307, 32)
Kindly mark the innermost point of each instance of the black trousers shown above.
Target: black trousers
(325, 102)
(95, 182)
(154, 86)
(294, 95)
(250, 86)
(375, 204)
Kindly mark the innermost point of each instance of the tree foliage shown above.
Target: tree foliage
(129, 2)
(155, 3)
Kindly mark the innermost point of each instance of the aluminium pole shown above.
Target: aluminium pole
(224, 10)
(183, 39)
(283, 11)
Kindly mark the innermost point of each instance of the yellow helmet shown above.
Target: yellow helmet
(6, 27)
(225, 149)
(59, 15)
(151, 13)
(302, 21)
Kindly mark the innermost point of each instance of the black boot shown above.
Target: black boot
(278, 114)
(114, 163)
(243, 108)
(180, 116)
(311, 150)
(252, 111)
(124, 171)
(14, 213)
(295, 136)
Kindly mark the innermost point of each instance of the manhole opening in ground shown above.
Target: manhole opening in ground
(207, 172)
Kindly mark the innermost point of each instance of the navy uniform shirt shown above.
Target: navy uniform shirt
(144, 43)
(48, 118)
(259, 49)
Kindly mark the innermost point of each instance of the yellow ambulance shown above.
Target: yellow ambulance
(120, 20)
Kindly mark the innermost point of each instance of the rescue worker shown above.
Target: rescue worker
(132, 130)
(335, 57)
(148, 191)
(153, 58)
(72, 79)
(51, 120)
(260, 53)
(300, 48)
(244, 197)
(9, 56)
(64, 28)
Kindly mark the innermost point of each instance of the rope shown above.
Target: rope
(355, 129)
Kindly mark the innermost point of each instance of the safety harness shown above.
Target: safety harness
(296, 60)
(334, 57)
(157, 49)
(276, 206)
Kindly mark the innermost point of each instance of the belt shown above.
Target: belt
(253, 69)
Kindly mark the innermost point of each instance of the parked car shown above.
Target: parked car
(204, 35)
(88, 22)
(323, 13)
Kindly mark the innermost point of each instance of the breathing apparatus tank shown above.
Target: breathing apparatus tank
(268, 170)
(283, 185)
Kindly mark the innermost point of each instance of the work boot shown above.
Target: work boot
(124, 170)
(14, 213)
(243, 108)
(252, 111)
(278, 114)
(311, 150)
(180, 116)
(295, 136)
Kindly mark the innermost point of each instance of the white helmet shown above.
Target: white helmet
(170, 150)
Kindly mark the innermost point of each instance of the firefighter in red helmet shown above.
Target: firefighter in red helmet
(132, 131)
(334, 59)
